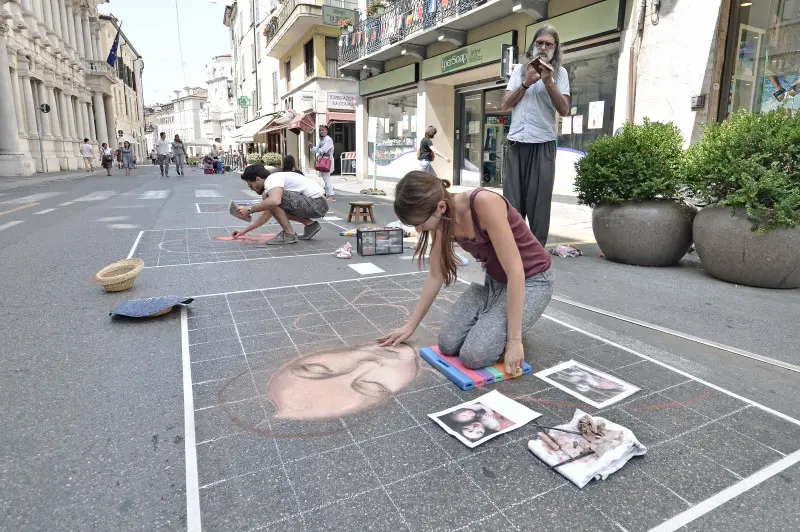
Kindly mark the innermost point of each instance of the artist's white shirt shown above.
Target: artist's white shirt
(533, 119)
(293, 182)
(86, 150)
(162, 147)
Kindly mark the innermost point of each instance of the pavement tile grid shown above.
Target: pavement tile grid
(173, 247)
(390, 467)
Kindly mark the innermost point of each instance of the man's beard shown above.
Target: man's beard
(546, 56)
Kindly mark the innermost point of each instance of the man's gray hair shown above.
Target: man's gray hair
(547, 29)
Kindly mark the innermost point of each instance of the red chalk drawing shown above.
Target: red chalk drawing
(258, 238)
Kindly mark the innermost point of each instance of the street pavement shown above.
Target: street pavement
(97, 427)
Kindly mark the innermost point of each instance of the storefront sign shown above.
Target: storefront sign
(332, 15)
(582, 23)
(474, 55)
(389, 80)
(339, 100)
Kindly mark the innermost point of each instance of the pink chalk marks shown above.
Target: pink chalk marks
(256, 239)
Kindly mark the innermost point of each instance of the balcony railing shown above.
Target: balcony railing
(100, 67)
(402, 19)
(288, 7)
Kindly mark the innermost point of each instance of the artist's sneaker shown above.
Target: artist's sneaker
(282, 238)
(310, 231)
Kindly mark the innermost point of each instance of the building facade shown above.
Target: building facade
(446, 64)
(183, 116)
(218, 115)
(127, 99)
(51, 53)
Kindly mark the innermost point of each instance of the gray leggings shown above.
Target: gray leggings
(476, 328)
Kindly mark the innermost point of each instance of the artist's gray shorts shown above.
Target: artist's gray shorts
(303, 206)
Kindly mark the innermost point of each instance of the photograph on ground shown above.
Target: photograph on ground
(588, 384)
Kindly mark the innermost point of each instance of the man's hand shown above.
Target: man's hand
(244, 211)
(513, 357)
(531, 76)
(546, 75)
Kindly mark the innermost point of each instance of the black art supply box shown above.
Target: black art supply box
(379, 241)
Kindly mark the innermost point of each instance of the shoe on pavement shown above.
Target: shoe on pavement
(282, 238)
(310, 231)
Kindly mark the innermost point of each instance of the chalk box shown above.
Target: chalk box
(379, 241)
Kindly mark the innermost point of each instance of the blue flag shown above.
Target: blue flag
(112, 55)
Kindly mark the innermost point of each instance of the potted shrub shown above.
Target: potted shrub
(253, 158)
(747, 168)
(346, 24)
(376, 8)
(272, 159)
(632, 181)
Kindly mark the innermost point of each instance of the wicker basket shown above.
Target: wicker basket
(120, 275)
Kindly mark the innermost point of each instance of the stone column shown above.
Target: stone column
(51, 99)
(87, 34)
(79, 33)
(37, 10)
(9, 140)
(48, 17)
(64, 117)
(71, 23)
(30, 107)
(71, 119)
(19, 107)
(92, 126)
(110, 126)
(87, 119)
(100, 117)
(55, 13)
(44, 118)
(62, 11)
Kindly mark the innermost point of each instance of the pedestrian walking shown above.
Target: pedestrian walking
(538, 88)
(127, 157)
(427, 152)
(153, 156)
(324, 165)
(106, 158)
(287, 196)
(162, 151)
(87, 152)
(118, 156)
(179, 152)
(488, 322)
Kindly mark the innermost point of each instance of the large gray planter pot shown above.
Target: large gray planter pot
(730, 251)
(644, 233)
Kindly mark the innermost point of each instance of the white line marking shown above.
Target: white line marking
(123, 226)
(197, 206)
(329, 218)
(100, 195)
(9, 224)
(193, 523)
(207, 194)
(366, 268)
(242, 260)
(678, 371)
(715, 501)
(112, 219)
(135, 244)
(337, 225)
(696, 339)
(154, 194)
(65, 203)
(33, 198)
(45, 211)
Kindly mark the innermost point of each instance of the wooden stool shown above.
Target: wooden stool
(362, 211)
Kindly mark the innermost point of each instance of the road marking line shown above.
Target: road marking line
(731, 492)
(112, 219)
(15, 209)
(207, 194)
(366, 268)
(100, 195)
(33, 198)
(123, 226)
(9, 224)
(154, 194)
(65, 203)
(193, 522)
(45, 211)
(135, 245)
(329, 218)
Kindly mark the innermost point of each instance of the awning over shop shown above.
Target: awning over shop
(246, 132)
(305, 122)
(338, 117)
(280, 121)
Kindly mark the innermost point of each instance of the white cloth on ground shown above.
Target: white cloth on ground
(612, 451)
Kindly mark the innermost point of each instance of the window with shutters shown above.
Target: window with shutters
(274, 88)
(331, 57)
(287, 74)
(308, 57)
(254, 48)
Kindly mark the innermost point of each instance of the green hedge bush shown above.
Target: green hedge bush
(272, 159)
(253, 158)
(642, 162)
(750, 162)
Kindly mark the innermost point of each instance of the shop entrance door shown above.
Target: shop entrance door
(469, 139)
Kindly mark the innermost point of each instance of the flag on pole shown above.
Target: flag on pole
(112, 55)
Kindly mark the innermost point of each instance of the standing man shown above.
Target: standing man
(534, 94)
(87, 152)
(162, 150)
(287, 196)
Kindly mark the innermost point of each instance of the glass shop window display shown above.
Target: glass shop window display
(392, 134)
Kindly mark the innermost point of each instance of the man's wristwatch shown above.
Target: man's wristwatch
(250, 209)
(526, 87)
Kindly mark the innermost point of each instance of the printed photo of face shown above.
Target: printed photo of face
(473, 431)
(337, 383)
(463, 416)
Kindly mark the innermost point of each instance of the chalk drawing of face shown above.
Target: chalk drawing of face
(464, 416)
(473, 431)
(342, 382)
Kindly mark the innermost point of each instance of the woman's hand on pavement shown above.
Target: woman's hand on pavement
(397, 336)
(513, 357)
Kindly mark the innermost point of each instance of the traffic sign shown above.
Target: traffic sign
(44, 108)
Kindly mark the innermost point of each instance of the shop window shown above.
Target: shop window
(331, 57)
(764, 56)
(392, 134)
(308, 57)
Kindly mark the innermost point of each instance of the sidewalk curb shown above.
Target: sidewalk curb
(35, 181)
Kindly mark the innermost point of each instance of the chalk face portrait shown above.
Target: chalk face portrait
(341, 382)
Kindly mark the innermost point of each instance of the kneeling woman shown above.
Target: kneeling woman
(488, 321)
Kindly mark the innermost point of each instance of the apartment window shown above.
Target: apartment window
(257, 101)
(255, 48)
(274, 88)
(308, 57)
(331, 57)
(287, 73)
